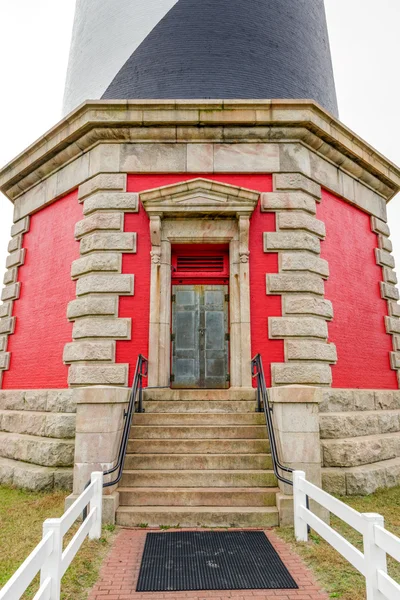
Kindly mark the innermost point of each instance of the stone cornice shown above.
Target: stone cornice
(181, 121)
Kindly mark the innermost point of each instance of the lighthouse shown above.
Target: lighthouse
(200, 221)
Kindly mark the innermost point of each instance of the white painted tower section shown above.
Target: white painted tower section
(105, 34)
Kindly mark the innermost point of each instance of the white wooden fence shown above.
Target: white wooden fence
(378, 542)
(48, 557)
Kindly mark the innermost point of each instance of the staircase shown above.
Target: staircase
(198, 458)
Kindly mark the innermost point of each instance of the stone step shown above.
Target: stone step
(362, 480)
(34, 477)
(197, 496)
(37, 450)
(198, 419)
(199, 516)
(338, 400)
(194, 432)
(356, 423)
(231, 395)
(198, 461)
(199, 406)
(208, 446)
(355, 451)
(46, 424)
(197, 478)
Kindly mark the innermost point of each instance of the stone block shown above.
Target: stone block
(396, 343)
(15, 243)
(379, 226)
(110, 506)
(387, 400)
(337, 400)
(282, 327)
(282, 283)
(364, 400)
(392, 325)
(37, 450)
(300, 220)
(285, 508)
(114, 182)
(60, 426)
(100, 418)
(383, 258)
(389, 292)
(11, 292)
(297, 417)
(153, 158)
(103, 221)
(342, 425)
(21, 226)
(385, 243)
(200, 158)
(301, 373)
(35, 400)
(365, 481)
(126, 202)
(274, 201)
(389, 276)
(92, 306)
(6, 309)
(92, 263)
(294, 240)
(102, 328)
(334, 481)
(309, 350)
(35, 479)
(3, 343)
(16, 259)
(122, 285)
(97, 447)
(299, 446)
(394, 360)
(104, 158)
(124, 242)
(89, 351)
(98, 375)
(295, 158)
(355, 451)
(63, 401)
(7, 325)
(63, 479)
(296, 394)
(394, 309)
(307, 305)
(246, 158)
(11, 400)
(4, 361)
(10, 276)
(304, 261)
(297, 181)
(102, 395)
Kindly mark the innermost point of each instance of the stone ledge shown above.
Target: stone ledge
(364, 450)
(342, 400)
(122, 285)
(282, 327)
(48, 452)
(116, 374)
(379, 227)
(112, 182)
(126, 202)
(363, 480)
(290, 282)
(16, 259)
(56, 401)
(99, 222)
(310, 350)
(297, 181)
(294, 240)
(42, 424)
(299, 220)
(304, 261)
(102, 261)
(274, 201)
(34, 477)
(301, 373)
(102, 328)
(89, 351)
(307, 305)
(124, 242)
(11, 292)
(358, 423)
(92, 306)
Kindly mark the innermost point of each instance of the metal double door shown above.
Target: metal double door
(200, 339)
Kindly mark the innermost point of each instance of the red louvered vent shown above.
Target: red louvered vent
(196, 264)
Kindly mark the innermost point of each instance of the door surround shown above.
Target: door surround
(204, 212)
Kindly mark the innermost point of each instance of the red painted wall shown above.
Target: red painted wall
(262, 305)
(42, 329)
(358, 328)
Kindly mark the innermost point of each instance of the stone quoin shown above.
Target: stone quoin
(154, 219)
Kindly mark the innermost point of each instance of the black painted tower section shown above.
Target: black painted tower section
(247, 49)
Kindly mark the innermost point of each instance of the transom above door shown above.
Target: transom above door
(200, 340)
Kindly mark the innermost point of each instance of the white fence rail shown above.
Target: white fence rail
(378, 542)
(48, 557)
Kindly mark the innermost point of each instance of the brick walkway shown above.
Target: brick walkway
(119, 574)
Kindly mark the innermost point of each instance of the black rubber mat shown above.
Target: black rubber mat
(211, 560)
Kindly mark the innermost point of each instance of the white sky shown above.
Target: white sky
(34, 45)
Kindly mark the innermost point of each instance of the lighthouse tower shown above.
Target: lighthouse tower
(200, 204)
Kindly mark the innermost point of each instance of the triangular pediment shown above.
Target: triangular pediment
(199, 197)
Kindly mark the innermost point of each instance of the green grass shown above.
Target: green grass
(21, 518)
(334, 573)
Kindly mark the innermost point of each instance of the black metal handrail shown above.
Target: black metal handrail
(257, 370)
(135, 405)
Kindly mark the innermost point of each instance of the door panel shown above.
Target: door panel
(199, 340)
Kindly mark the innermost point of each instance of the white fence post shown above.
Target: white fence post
(97, 502)
(52, 567)
(300, 500)
(375, 557)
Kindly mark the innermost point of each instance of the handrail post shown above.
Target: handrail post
(375, 557)
(52, 568)
(97, 503)
(300, 501)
